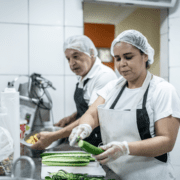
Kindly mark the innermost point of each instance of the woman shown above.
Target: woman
(138, 114)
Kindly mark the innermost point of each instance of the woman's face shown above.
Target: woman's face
(79, 62)
(130, 63)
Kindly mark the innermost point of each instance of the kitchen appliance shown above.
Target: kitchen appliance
(36, 103)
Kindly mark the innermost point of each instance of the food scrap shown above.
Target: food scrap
(32, 139)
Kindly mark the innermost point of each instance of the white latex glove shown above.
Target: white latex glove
(113, 150)
(83, 130)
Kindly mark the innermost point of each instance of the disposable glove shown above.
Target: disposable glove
(83, 130)
(113, 150)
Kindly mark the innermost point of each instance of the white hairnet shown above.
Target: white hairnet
(81, 43)
(136, 39)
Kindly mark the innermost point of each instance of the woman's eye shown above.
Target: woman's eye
(129, 57)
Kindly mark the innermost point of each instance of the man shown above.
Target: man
(92, 76)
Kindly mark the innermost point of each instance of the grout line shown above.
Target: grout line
(33, 24)
(168, 44)
(28, 43)
(63, 58)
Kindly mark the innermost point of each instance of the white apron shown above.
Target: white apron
(121, 126)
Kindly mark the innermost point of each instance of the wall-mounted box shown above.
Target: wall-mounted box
(143, 3)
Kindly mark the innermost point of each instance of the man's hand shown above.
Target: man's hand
(67, 120)
(63, 122)
(44, 140)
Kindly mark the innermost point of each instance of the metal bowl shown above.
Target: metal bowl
(32, 164)
(46, 129)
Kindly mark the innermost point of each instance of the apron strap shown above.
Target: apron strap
(118, 96)
(145, 98)
(85, 82)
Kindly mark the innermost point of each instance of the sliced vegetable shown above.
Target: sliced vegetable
(67, 154)
(65, 159)
(66, 163)
(89, 148)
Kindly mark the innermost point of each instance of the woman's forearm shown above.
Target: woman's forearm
(91, 115)
(166, 133)
(150, 147)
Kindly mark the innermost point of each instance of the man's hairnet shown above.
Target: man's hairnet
(136, 39)
(81, 43)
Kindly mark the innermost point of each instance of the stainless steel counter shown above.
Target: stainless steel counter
(23, 168)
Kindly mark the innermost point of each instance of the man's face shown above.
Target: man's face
(79, 62)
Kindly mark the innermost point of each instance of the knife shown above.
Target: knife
(74, 141)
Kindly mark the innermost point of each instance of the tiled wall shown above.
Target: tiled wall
(32, 33)
(164, 47)
(174, 68)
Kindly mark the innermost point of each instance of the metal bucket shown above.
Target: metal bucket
(32, 164)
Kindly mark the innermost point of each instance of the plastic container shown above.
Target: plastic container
(23, 124)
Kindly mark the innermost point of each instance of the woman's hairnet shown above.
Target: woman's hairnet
(81, 43)
(136, 39)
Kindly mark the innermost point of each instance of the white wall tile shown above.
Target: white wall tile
(4, 79)
(57, 96)
(166, 78)
(70, 86)
(164, 56)
(71, 31)
(14, 11)
(46, 12)
(174, 74)
(164, 21)
(73, 13)
(46, 50)
(13, 49)
(174, 43)
(175, 11)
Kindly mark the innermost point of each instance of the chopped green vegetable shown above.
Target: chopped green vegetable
(89, 148)
(63, 175)
(47, 178)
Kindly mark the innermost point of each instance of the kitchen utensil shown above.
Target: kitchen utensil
(32, 164)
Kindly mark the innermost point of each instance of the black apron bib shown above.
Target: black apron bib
(143, 121)
(82, 107)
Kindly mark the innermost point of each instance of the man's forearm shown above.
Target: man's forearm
(73, 117)
(65, 132)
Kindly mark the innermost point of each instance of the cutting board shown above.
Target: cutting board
(93, 168)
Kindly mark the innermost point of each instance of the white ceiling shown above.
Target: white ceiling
(105, 14)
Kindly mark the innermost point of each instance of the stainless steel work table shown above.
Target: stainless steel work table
(23, 168)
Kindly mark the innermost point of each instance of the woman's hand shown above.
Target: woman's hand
(44, 140)
(113, 151)
(83, 131)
